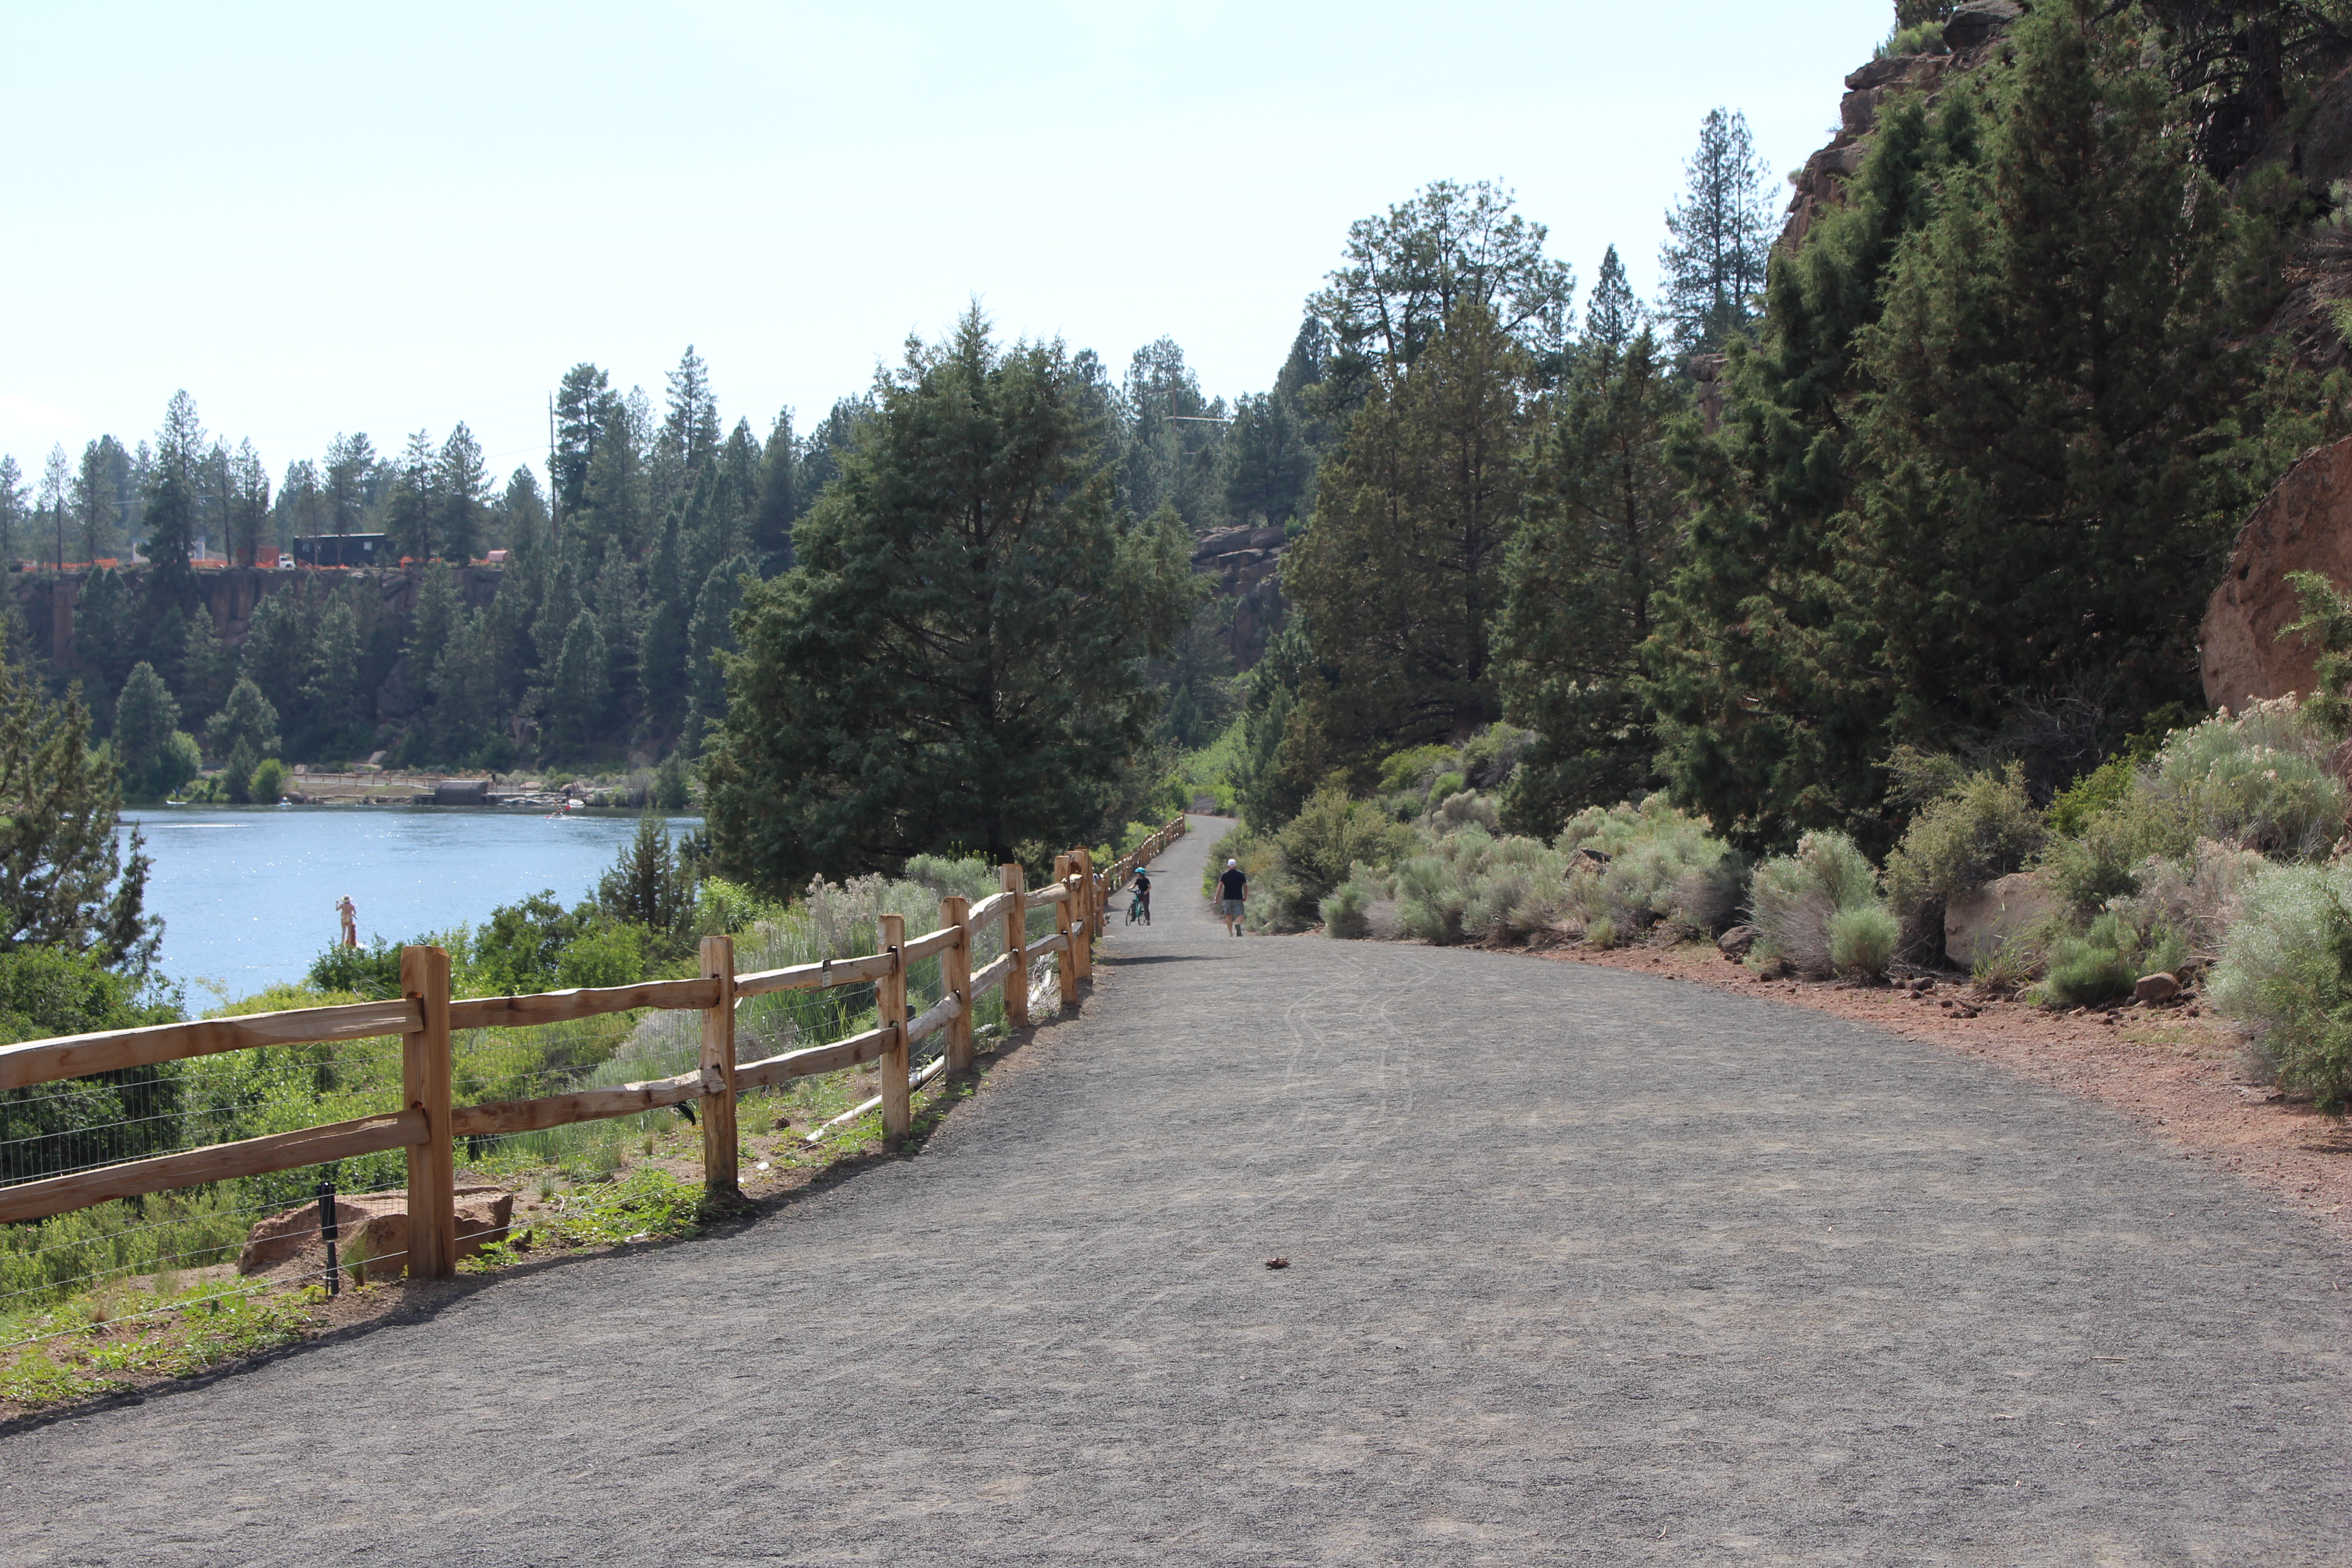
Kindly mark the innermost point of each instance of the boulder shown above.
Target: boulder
(1976, 925)
(378, 1223)
(1974, 22)
(2305, 524)
(2158, 987)
(1736, 942)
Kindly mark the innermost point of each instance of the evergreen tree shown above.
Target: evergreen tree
(276, 652)
(1265, 793)
(1173, 439)
(1268, 465)
(66, 880)
(1717, 236)
(1614, 315)
(236, 774)
(57, 486)
(94, 505)
(333, 689)
(204, 665)
(1602, 532)
(649, 886)
(1768, 705)
(778, 503)
(520, 521)
(577, 696)
(105, 627)
(350, 462)
(1408, 270)
(461, 495)
(416, 497)
(245, 538)
(15, 510)
(171, 535)
(711, 637)
(954, 661)
(430, 628)
(2054, 472)
(301, 503)
(246, 721)
(145, 717)
(690, 427)
(1401, 574)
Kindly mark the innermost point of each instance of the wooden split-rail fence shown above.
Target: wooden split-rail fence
(427, 1018)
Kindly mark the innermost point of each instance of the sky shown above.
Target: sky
(320, 218)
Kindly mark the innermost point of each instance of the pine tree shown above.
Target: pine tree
(1267, 463)
(333, 689)
(2054, 460)
(1768, 705)
(246, 538)
(1717, 236)
(57, 486)
(65, 879)
(430, 628)
(204, 665)
(350, 463)
(461, 493)
(1401, 574)
(584, 407)
(648, 885)
(577, 696)
(779, 504)
(145, 716)
(1614, 315)
(1602, 532)
(1407, 271)
(711, 637)
(104, 627)
(277, 642)
(955, 660)
(15, 510)
(246, 721)
(689, 432)
(409, 510)
(94, 504)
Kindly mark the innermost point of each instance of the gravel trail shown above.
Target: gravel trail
(1585, 1267)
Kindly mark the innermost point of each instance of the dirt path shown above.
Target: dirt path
(1586, 1266)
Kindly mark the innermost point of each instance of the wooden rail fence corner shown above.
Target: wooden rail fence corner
(425, 1073)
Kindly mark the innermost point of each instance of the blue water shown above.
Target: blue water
(247, 893)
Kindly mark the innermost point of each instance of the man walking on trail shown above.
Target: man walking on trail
(1232, 888)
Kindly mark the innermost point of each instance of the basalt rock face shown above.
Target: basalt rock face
(1245, 565)
(1968, 38)
(2305, 524)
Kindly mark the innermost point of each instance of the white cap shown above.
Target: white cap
(1234, 865)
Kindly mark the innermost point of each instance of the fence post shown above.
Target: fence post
(1016, 942)
(890, 999)
(424, 1077)
(1066, 962)
(720, 1140)
(1082, 889)
(955, 978)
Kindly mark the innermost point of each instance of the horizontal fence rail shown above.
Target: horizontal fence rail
(424, 1020)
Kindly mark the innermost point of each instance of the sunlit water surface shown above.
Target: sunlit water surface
(247, 893)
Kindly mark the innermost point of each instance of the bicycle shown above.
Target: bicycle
(1139, 907)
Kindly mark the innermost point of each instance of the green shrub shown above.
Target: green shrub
(267, 784)
(1430, 899)
(1344, 912)
(1983, 828)
(1656, 865)
(1332, 833)
(1863, 940)
(2101, 789)
(609, 952)
(723, 908)
(1794, 897)
(1602, 932)
(2106, 961)
(2285, 973)
(1414, 768)
(371, 971)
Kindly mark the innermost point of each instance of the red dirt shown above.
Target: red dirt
(2173, 1069)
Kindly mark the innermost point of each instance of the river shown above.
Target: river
(247, 893)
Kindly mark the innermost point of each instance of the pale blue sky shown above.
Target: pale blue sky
(320, 218)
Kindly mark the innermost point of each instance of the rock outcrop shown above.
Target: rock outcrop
(2305, 524)
(1976, 925)
(374, 1232)
(1246, 566)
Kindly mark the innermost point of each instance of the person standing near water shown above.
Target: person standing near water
(1232, 888)
(350, 912)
